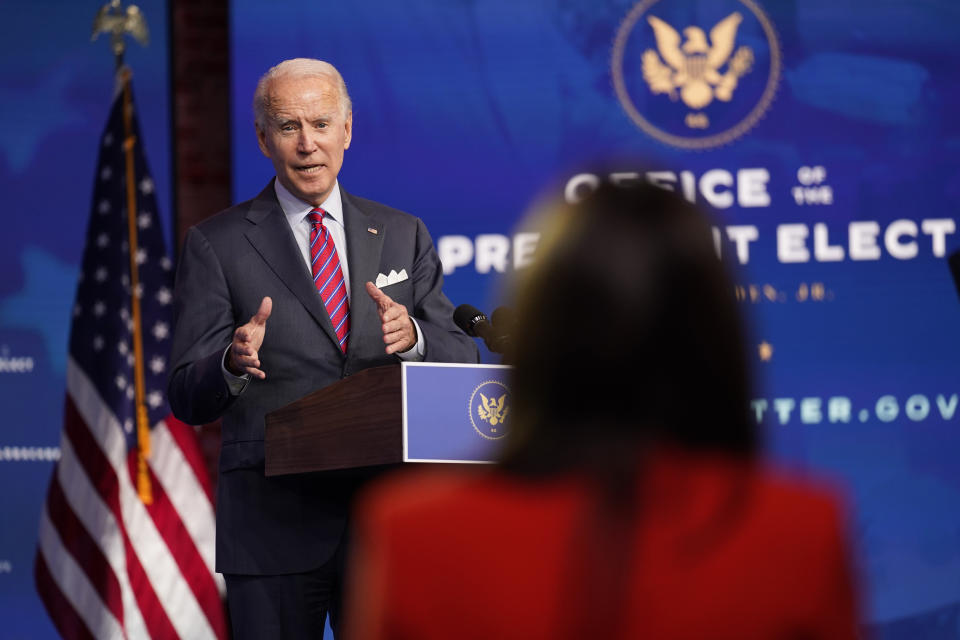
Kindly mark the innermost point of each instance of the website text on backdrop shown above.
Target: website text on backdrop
(275, 297)
(629, 500)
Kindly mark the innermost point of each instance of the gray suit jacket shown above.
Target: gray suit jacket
(228, 263)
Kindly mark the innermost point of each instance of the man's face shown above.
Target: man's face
(305, 135)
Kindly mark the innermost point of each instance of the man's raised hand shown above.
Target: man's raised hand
(247, 339)
(398, 332)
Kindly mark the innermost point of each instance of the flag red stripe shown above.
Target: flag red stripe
(104, 478)
(185, 437)
(184, 551)
(92, 459)
(64, 616)
(154, 616)
(84, 549)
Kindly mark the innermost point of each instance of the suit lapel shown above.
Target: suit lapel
(272, 238)
(364, 244)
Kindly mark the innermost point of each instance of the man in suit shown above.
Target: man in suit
(275, 299)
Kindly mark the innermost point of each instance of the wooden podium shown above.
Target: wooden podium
(410, 412)
(356, 422)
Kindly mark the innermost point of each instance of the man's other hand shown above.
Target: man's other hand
(247, 339)
(398, 331)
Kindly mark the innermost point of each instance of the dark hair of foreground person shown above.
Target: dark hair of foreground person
(628, 335)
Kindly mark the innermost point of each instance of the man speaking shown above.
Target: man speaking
(275, 299)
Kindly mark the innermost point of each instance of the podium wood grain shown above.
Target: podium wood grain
(356, 422)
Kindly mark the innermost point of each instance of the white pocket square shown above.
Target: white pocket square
(393, 278)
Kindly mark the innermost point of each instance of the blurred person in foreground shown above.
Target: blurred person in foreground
(629, 501)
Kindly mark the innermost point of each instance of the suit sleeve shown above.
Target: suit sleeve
(203, 327)
(434, 311)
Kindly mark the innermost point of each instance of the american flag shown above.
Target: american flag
(108, 564)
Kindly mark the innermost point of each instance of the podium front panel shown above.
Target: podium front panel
(454, 412)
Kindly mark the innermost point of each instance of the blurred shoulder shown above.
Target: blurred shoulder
(782, 490)
(799, 511)
(774, 501)
(770, 484)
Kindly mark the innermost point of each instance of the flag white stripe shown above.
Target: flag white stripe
(173, 591)
(99, 522)
(73, 583)
(186, 494)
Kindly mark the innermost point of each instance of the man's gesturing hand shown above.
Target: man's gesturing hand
(398, 331)
(244, 350)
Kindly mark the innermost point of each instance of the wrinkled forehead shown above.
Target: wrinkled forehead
(309, 95)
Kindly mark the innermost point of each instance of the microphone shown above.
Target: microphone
(474, 323)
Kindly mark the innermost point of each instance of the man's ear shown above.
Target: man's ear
(348, 130)
(262, 140)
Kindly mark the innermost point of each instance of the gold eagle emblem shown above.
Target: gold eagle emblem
(114, 19)
(492, 410)
(694, 67)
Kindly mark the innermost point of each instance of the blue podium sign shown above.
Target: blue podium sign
(454, 412)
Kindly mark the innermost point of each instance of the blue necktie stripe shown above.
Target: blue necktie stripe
(334, 312)
(329, 278)
(320, 251)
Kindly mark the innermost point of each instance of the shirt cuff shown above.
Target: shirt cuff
(414, 354)
(236, 384)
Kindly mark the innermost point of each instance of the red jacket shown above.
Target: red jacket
(718, 549)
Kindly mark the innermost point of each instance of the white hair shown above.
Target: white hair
(297, 68)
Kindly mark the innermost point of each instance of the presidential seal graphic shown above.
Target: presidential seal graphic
(696, 74)
(490, 409)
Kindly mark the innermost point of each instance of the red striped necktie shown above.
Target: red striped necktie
(328, 277)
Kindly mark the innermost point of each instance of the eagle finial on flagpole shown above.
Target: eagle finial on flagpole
(112, 18)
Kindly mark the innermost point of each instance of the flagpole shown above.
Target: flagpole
(117, 21)
(144, 488)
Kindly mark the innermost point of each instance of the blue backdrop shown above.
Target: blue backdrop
(825, 141)
(827, 149)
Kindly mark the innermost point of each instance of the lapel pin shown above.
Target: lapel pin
(372, 230)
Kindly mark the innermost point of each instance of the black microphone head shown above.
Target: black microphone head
(467, 317)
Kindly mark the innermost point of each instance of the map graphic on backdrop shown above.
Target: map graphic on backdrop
(821, 138)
